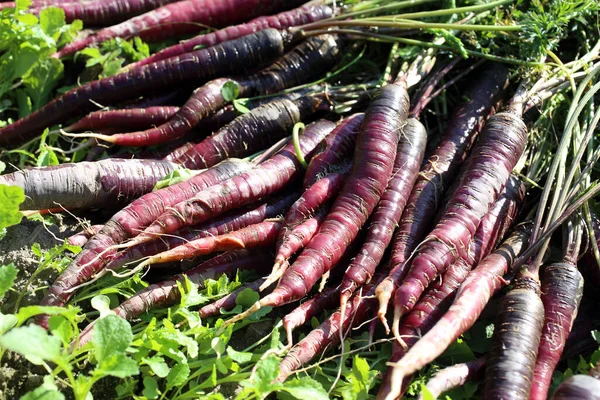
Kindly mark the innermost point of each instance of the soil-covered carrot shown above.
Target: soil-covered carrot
(454, 376)
(186, 16)
(264, 179)
(438, 173)
(128, 223)
(130, 118)
(81, 238)
(263, 234)
(103, 184)
(376, 148)
(167, 293)
(298, 16)
(470, 300)
(335, 149)
(232, 221)
(235, 56)
(488, 169)
(386, 216)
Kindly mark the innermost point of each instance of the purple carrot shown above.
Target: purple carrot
(131, 118)
(102, 184)
(186, 16)
(470, 300)
(337, 147)
(235, 56)
(454, 376)
(374, 157)
(299, 16)
(167, 293)
(262, 180)
(437, 175)
(126, 224)
(488, 169)
(232, 221)
(386, 216)
(229, 301)
(578, 387)
(81, 238)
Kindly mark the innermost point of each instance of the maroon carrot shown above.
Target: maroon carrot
(131, 118)
(471, 298)
(454, 376)
(376, 148)
(167, 293)
(235, 56)
(81, 238)
(386, 216)
(299, 16)
(179, 18)
(128, 223)
(302, 64)
(232, 221)
(488, 169)
(337, 147)
(562, 290)
(263, 234)
(264, 179)
(102, 184)
(437, 176)
(229, 301)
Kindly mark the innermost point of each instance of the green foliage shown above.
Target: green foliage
(10, 198)
(177, 176)
(113, 54)
(8, 273)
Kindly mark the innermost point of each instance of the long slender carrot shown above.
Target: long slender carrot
(127, 223)
(262, 180)
(103, 184)
(298, 16)
(454, 376)
(224, 59)
(81, 238)
(373, 163)
(438, 173)
(186, 16)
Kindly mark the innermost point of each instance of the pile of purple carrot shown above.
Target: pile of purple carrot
(349, 212)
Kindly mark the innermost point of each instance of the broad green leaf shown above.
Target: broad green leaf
(51, 20)
(150, 388)
(41, 80)
(32, 342)
(47, 157)
(230, 91)
(240, 106)
(43, 393)
(31, 311)
(260, 383)
(178, 375)
(426, 394)
(102, 304)
(61, 328)
(177, 176)
(112, 335)
(118, 365)
(247, 297)
(7, 321)
(157, 365)
(305, 388)
(8, 273)
(10, 198)
(239, 356)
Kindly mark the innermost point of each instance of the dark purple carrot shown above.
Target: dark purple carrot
(168, 98)
(376, 148)
(126, 224)
(454, 376)
(312, 307)
(562, 290)
(167, 293)
(231, 57)
(386, 216)
(229, 301)
(81, 238)
(488, 169)
(305, 62)
(263, 234)
(283, 20)
(470, 300)
(179, 18)
(102, 12)
(130, 118)
(516, 341)
(251, 132)
(293, 240)
(232, 221)
(578, 387)
(337, 147)
(264, 179)
(437, 176)
(102, 184)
